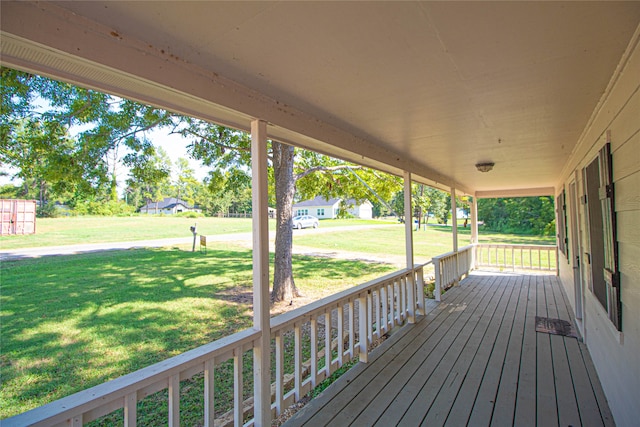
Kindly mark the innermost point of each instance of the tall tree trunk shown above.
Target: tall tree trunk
(284, 288)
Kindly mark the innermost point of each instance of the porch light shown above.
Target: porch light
(484, 167)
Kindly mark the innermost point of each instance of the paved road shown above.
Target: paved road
(242, 238)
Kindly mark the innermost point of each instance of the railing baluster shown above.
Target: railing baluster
(399, 302)
(363, 322)
(420, 291)
(174, 401)
(437, 264)
(130, 409)
(328, 360)
(340, 345)
(209, 393)
(370, 316)
(384, 301)
(314, 350)
(377, 318)
(279, 344)
(297, 360)
(238, 410)
(352, 329)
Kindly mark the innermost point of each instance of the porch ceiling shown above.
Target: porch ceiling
(429, 87)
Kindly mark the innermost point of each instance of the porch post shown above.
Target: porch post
(408, 233)
(474, 220)
(474, 230)
(261, 318)
(454, 230)
(454, 219)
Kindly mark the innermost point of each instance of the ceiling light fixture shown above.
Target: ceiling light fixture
(485, 166)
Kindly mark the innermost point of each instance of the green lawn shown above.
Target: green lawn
(436, 240)
(71, 322)
(75, 230)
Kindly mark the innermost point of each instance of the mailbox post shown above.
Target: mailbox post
(193, 229)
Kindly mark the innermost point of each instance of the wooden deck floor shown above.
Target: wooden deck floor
(475, 360)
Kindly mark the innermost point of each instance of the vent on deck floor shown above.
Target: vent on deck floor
(555, 326)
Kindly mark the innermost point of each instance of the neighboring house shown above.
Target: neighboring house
(168, 206)
(323, 208)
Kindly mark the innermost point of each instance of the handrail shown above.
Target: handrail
(515, 257)
(450, 267)
(124, 392)
(340, 327)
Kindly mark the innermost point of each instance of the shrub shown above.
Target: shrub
(190, 214)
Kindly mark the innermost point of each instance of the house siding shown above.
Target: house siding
(616, 355)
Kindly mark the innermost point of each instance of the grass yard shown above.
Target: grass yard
(75, 230)
(71, 322)
(436, 240)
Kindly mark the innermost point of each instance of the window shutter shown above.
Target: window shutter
(609, 228)
(561, 227)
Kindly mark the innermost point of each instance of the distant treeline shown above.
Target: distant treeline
(520, 215)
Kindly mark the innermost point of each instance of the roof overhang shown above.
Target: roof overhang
(427, 87)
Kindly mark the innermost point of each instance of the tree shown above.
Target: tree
(426, 200)
(110, 130)
(294, 171)
(186, 184)
(84, 133)
(150, 174)
(525, 215)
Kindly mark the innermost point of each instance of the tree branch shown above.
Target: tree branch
(227, 147)
(315, 169)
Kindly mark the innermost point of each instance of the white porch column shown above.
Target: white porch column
(261, 318)
(474, 230)
(454, 219)
(408, 233)
(454, 229)
(474, 220)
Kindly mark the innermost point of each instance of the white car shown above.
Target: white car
(304, 221)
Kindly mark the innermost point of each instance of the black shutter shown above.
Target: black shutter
(561, 226)
(609, 229)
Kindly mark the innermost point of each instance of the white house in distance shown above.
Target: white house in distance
(168, 206)
(328, 209)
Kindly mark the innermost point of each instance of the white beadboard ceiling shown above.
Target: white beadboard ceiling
(429, 87)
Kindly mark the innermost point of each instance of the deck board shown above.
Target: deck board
(475, 359)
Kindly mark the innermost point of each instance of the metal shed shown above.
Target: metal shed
(17, 216)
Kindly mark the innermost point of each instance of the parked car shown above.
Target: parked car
(304, 221)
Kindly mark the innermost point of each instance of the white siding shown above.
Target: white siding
(616, 356)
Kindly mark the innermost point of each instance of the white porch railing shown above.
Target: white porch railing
(349, 321)
(378, 305)
(517, 257)
(450, 267)
(125, 392)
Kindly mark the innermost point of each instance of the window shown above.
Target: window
(302, 212)
(603, 255)
(320, 212)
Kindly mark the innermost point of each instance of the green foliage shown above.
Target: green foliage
(47, 210)
(102, 208)
(190, 214)
(521, 215)
(427, 201)
(68, 141)
(9, 191)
